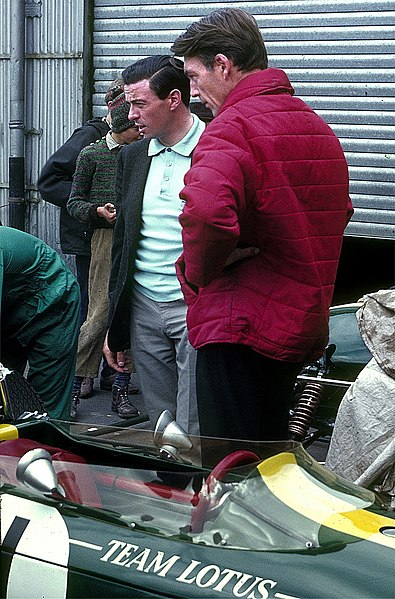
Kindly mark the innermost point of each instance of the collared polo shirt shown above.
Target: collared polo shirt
(160, 234)
(111, 143)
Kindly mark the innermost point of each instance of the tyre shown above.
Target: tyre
(17, 396)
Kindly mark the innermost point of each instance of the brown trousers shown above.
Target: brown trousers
(93, 330)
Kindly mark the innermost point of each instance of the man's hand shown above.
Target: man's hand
(108, 212)
(240, 254)
(118, 361)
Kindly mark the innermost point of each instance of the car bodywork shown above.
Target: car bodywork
(126, 516)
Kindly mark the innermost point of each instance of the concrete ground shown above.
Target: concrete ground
(97, 409)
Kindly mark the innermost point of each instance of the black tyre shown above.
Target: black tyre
(17, 396)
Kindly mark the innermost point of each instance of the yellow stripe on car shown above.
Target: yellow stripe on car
(304, 494)
(7, 432)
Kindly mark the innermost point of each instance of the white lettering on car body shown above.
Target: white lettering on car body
(205, 576)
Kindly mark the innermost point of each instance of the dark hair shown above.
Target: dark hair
(164, 73)
(229, 31)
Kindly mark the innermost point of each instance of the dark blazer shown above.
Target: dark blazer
(54, 184)
(133, 168)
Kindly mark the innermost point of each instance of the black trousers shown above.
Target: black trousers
(242, 394)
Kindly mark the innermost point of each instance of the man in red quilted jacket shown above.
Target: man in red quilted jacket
(266, 205)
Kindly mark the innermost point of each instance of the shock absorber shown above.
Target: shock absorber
(304, 411)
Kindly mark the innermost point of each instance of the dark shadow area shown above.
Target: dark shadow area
(366, 265)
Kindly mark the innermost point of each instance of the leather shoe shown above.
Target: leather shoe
(121, 404)
(86, 388)
(74, 405)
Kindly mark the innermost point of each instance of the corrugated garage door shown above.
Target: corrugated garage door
(339, 55)
(52, 98)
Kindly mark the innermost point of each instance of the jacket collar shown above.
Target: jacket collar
(265, 82)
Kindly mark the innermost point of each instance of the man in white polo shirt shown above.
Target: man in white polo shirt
(147, 309)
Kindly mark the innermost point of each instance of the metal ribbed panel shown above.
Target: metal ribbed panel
(4, 108)
(53, 103)
(53, 97)
(339, 55)
(4, 138)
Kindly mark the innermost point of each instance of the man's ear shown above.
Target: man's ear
(174, 98)
(224, 64)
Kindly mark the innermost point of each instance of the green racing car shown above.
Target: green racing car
(98, 511)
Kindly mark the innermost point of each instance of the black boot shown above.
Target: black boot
(121, 404)
(74, 405)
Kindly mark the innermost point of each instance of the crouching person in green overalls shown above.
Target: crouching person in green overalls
(39, 310)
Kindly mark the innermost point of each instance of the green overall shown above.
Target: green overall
(39, 317)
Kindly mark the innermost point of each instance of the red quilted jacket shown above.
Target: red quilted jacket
(269, 173)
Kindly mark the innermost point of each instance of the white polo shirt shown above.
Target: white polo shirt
(160, 242)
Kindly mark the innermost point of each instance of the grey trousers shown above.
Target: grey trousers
(164, 359)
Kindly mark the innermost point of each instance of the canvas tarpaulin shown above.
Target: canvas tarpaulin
(362, 447)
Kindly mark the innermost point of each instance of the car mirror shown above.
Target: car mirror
(35, 470)
(169, 437)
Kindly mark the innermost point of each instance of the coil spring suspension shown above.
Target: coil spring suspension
(304, 411)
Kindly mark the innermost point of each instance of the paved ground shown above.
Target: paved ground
(97, 409)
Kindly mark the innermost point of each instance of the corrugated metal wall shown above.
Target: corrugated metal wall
(4, 106)
(339, 55)
(54, 44)
(53, 98)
